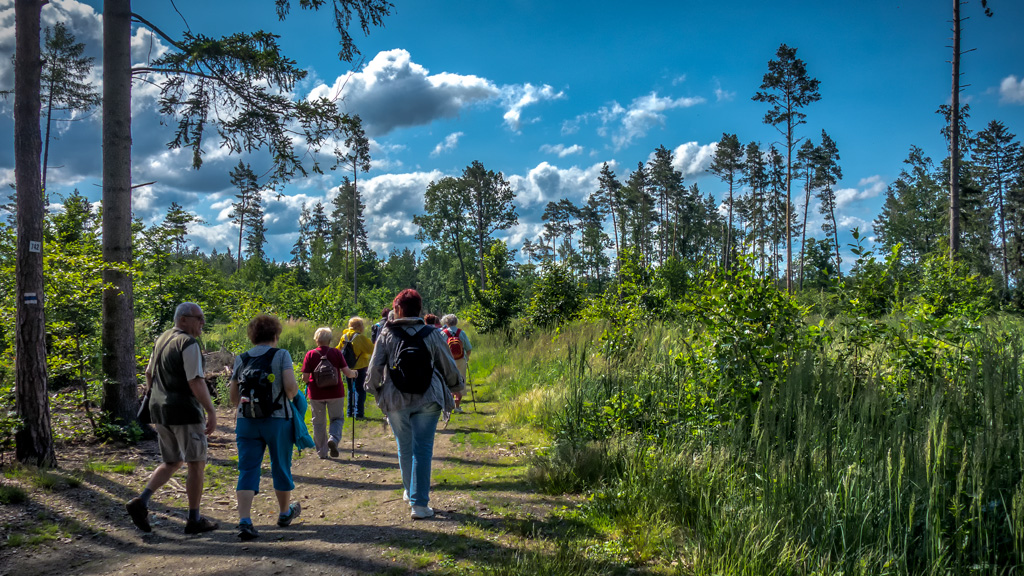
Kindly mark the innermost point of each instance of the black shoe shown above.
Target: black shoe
(140, 514)
(247, 532)
(199, 526)
(294, 509)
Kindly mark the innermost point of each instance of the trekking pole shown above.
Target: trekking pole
(469, 378)
(352, 391)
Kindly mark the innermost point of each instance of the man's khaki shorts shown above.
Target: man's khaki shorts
(182, 442)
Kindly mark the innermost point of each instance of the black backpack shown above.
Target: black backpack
(375, 331)
(325, 375)
(349, 353)
(413, 366)
(256, 386)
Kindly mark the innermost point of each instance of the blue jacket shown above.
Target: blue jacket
(302, 437)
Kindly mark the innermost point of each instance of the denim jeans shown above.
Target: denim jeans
(356, 394)
(414, 432)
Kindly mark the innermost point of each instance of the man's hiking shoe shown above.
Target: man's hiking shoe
(246, 532)
(204, 524)
(294, 509)
(140, 514)
(421, 512)
(332, 445)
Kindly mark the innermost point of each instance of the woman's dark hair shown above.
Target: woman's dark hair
(384, 313)
(430, 319)
(264, 328)
(410, 301)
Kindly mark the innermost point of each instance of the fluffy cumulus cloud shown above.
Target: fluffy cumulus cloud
(546, 183)
(391, 202)
(1011, 90)
(516, 98)
(866, 189)
(81, 20)
(692, 159)
(393, 92)
(449, 143)
(624, 125)
(561, 150)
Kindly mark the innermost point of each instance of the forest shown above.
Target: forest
(727, 390)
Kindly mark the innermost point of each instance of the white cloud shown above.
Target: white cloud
(1011, 90)
(546, 183)
(562, 150)
(392, 91)
(449, 143)
(722, 95)
(692, 158)
(867, 188)
(625, 125)
(516, 98)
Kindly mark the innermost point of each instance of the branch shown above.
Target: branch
(172, 71)
(160, 32)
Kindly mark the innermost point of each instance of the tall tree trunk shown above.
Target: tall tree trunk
(728, 233)
(355, 240)
(46, 141)
(1002, 242)
(835, 235)
(954, 141)
(803, 229)
(241, 230)
(789, 205)
(120, 402)
(34, 440)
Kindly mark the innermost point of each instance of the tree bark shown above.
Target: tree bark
(954, 141)
(120, 402)
(34, 441)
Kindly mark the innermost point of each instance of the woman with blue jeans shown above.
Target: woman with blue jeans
(413, 416)
(265, 428)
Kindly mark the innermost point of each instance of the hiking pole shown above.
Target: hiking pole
(469, 379)
(353, 391)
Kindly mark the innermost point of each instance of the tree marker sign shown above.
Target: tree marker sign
(34, 246)
(31, 298)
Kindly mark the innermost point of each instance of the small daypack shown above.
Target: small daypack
(325, 375)
(375, 331)
(348, 352)
(413, 366)
(454, 343)
(256, 386)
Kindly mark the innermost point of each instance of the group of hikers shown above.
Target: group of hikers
(415, 367)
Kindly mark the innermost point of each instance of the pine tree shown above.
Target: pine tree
(805, 167)
(669, 188)
(827, 173)
(788, 89)
(65, 85)
(300, 250)
(609, 193)
(727, 165)
(244, 179)
(997, 156)
(357, 158)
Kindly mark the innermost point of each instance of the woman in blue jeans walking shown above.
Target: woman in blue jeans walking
(413, 376)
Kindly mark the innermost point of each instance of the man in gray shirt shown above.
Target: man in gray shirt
(178, 399)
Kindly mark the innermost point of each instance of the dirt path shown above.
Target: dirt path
(353, 519)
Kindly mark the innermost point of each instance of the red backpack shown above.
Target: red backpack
(454, 343)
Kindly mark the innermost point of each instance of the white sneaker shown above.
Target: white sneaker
(405, 496)
(421, 512)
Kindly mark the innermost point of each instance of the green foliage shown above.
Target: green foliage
(556, 298)
(497, 304)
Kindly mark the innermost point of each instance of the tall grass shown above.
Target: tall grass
(899, 459)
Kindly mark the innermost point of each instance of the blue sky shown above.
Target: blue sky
(545, 92)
